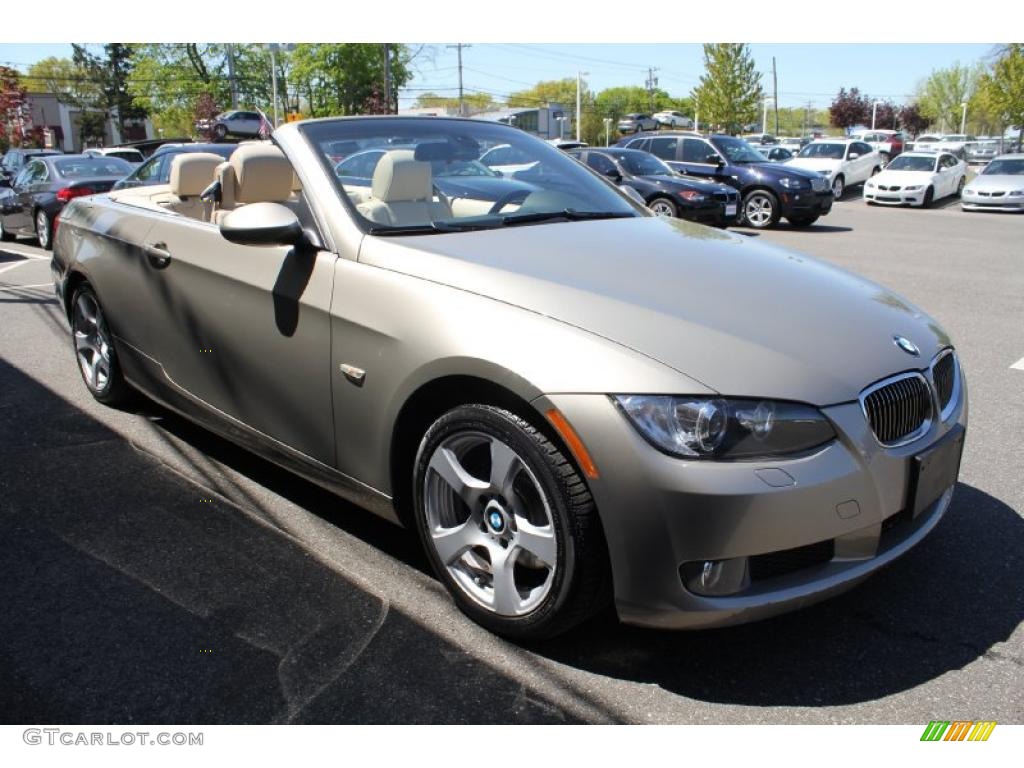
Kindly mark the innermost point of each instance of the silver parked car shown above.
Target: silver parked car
(570, 400)
(1000, 187)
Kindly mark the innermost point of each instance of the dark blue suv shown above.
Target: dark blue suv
(769, 191)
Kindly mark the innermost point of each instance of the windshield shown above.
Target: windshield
(910, 163)
(926, 139)
(955, 137)
(428, 175)
(826, 151)
(131, 155)
(738, 150)
(642, 164)
(86, 167)
(1008, 167)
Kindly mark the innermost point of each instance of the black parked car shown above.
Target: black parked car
(664, 191)
(157, 169)
(29, 206)
(769, 190)
(15, 160)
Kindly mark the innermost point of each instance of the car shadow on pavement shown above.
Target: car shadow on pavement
(133, 595)
(942, 606)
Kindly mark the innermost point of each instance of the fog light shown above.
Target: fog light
(716, 577)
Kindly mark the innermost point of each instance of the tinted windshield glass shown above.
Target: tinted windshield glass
(827, 151)
(905, 163)
(131, 155)
(410, 176)
(85, 167)
(643, 164)
(738, 150)
(1014, 167)
(955, 137)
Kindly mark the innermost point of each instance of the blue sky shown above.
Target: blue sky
(806, 71)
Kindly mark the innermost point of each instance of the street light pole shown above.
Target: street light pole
(579, 114)
(607, 131)
(963, 119)
(874, 113)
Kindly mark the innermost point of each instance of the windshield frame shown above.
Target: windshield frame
(744, 151)
(569, 173)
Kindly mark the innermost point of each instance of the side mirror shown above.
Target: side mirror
(262, 224)
(853, 155)
(614, 175)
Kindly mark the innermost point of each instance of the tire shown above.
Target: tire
(5, 236)
(94, 350)
(875, 171)
(803, 221)
(535, 517)
(220, 132)
(761, 209)
(929, 198)
(838, 186)
(960, 186)
(662, 206)
(44, 230)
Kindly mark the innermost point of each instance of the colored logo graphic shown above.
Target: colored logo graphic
(958, 730)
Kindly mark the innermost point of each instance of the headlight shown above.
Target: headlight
(968, 190)
(693, 197)
(1017, 193)
(913, 188)
(725, 428)
(791, 182)
(825, 173)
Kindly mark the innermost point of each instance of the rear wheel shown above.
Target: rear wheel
(220, 131)
(44, 230)
(508, 525)
(94, 349)
(760, 209)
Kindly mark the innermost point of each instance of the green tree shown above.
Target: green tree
(63, 78)
(943, 93)
(108, 76)
(341, 78)
(475, 102)
(729, 94)
(1004, 88)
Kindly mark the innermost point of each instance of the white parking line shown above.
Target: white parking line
(15, 286)
(9, 267)
(18, 249)
(1019, 365)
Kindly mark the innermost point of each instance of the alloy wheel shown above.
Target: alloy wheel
(92, 342)
(838, 187)
(662, 208)
(490, 523)
(43, 229)
(759, 210)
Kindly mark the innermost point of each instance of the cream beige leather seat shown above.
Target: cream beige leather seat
(256, 173)
(402, 193)
(191, 173)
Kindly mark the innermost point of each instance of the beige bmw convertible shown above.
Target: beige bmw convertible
(573, 402)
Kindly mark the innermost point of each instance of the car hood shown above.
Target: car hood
(742, 318)
(903, 178)
(814, 164)
(770, 170)
(996, 182)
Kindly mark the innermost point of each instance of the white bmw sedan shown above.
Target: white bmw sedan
(1000, 187)
(917, 178)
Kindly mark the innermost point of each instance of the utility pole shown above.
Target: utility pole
(775, 95)
(387, 79)
(462, 101)
(579, 105)
(651, 84)
(231, 76)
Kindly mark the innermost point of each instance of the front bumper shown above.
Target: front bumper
(805, 203)
(976, 202)
(661, 514)
(899, 197)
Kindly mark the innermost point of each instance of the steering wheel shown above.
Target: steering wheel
(516, 195)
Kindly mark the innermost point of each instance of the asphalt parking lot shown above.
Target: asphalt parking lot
(155, 573)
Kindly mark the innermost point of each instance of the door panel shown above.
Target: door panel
(247, 330)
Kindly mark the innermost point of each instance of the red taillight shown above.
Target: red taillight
(70, 193)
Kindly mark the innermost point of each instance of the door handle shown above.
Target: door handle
(158, 254)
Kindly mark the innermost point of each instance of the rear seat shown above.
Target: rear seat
(191, 173)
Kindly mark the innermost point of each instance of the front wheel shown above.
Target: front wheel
(508, 524)
(760, 209)
(220, 132)
(44, 230)
(94, 349)
(960, 186)
(662, 206)
(838, 187)
(929, 198)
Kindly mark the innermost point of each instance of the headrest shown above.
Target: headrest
(262, 174)
(192, 172)
(400, 178)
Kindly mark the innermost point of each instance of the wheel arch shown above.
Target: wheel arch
(432, 399)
